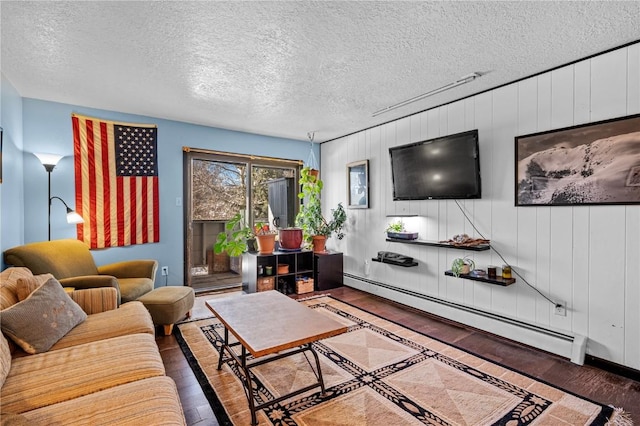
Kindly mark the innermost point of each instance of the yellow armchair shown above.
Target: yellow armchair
(71, 262)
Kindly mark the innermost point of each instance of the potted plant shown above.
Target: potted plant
(397, 230)
(315, 228)
(265, 237)
(237, 238)
(462, 266)
(395, 227)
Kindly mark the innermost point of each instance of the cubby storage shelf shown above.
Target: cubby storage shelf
(406, 265)
(300, 266)
(482, 247)
(498, 280)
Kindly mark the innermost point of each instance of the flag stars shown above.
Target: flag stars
(136, 151)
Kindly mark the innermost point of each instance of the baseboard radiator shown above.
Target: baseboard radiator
(558, 342)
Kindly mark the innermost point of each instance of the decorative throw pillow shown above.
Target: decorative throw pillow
(42, 319)
(28, 285)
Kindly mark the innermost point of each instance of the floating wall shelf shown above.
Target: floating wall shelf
(482, 247)
(390, 262)
(498, 280)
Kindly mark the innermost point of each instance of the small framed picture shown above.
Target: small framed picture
(358, 184)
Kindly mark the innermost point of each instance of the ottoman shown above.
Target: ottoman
(168, 305)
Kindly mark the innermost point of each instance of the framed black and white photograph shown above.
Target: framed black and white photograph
(595, 163)
(358, 184)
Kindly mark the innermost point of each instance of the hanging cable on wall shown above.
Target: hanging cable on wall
(503, 259)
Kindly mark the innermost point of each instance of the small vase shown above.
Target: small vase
(266, 243)
(465, 269)
(319, 242)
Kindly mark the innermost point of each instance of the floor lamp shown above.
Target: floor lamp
(49, 161)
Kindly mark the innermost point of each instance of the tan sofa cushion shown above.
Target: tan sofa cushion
(9, 419)
(5, 359)
(130, 318)
(8, 285)
(28, 285)
(151, 401)
(40, 380)
(40, 320)
(96, 300)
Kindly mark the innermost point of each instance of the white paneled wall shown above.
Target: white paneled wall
(586, 256)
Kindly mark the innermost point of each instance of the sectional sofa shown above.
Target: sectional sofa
(106, 369)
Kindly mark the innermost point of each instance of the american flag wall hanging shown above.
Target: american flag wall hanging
(116, 174)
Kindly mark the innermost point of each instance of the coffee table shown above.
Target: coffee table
(270, 323)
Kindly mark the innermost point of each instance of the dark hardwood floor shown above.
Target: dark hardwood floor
(588, 381)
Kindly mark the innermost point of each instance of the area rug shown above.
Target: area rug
(381, 373)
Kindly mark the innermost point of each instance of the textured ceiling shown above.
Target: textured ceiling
(286, 68)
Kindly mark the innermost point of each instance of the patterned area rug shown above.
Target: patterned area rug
(380, 373)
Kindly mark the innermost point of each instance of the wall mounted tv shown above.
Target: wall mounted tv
(442, 168)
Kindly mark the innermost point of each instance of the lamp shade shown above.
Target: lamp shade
(73, 217)
(48, 159)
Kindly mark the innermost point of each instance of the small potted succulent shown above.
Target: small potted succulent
(462, 266)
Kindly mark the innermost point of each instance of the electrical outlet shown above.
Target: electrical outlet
(561, 309)
(165, 270)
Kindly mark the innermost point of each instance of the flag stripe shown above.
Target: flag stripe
(144, 232)
(78, 173)
(120, 212)
(106, 186)
(116, 182)
(91, 160)
(133, 210)
(156, 210)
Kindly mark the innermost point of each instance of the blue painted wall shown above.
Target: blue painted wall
(11, 189)
(47, 128)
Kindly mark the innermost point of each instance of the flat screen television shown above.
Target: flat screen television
(447, 167)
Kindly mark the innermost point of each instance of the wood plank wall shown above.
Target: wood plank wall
(586, 256)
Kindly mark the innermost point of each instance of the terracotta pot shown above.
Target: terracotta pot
(266, 243)
(283, 268)
(319, 242)
(314, 172)
(290, 238)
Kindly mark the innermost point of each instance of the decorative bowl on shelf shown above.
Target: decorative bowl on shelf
(283, 268)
